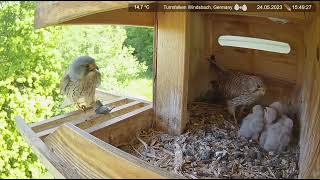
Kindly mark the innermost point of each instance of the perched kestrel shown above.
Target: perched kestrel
(237, 88)
(80, 82)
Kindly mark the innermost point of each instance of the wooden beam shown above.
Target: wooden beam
(60, 119)
(122, 129)
(172, 71)
(87, 121)
(56, 12)
(96, 159)
(100, 91)
(97, 119)
(118, 17)
(296, 17)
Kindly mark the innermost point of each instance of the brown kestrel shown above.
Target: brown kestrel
(80, 82)
(237, 88)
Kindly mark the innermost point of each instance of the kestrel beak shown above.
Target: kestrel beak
(92, 67)
(262, 89)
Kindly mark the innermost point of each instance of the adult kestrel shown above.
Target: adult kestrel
(80, 82)
(237, 88)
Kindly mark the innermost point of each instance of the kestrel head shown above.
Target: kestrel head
(257, 85)
(257, 109)
(270, 115)
(81, 67)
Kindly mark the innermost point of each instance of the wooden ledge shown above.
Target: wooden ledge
(60, 119)
(93, 158)
(88, 121)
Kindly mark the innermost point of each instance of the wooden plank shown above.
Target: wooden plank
(284, 66)
(55, 12)
(120, 130)
(118, 17)
(309, 160)
(48, 159)
(172, 71)
(60, 119)
(87, 121)
(100, 91)
(96, 158)
(97, 119)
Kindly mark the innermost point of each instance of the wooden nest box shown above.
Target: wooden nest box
(83, 145)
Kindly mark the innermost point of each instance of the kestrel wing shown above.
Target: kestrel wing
(241, 100)
(65, 81)
(98, 79)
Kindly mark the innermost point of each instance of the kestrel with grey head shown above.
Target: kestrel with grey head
(79, 83)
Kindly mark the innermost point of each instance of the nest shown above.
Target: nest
(211, 148)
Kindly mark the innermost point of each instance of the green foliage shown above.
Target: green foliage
(28, 85)
(140, 88)
(105, 43)
(141, 39)
(32, 63)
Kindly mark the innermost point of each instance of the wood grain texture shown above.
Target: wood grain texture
(200, 74)
(172, 71)
(297, 17)
(309, 162)
(118, 17)
(56, 12)
(274, 65)
(93, 158)
(279, 70)
(48, 159)
(60, 119)
(93, 119)
(114, 12)
(122, 129)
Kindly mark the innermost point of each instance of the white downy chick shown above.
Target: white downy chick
(277, 136)
(270, 115)
(252, 124)
(281, 108)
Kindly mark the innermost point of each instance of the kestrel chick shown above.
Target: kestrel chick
(252, 124)
(270, 115)
(277, 136)
(80, 82)
(280, 107)
(238, 88)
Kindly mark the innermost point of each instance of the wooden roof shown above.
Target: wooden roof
(115, 12)
(58, 12)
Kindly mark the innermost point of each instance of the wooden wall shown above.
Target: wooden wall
(200, 74)
(280, 71)
(310, 110)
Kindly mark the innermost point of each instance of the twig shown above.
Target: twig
(152, 156)
(136, 150)
(263, 174)
(271, 172)
(144, 144)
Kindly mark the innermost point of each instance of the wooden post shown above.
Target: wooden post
(171, 79)
(309, 161)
